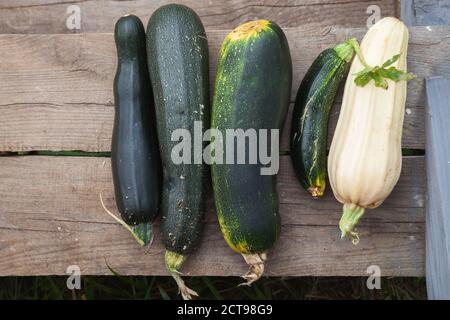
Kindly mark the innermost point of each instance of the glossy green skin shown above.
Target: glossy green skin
(314, 100)
(135, 157)
(252, 90)
(179, 71)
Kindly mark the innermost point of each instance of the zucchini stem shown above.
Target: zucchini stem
(256, 267)
(144, 231)
(346, 49)
(174, 261)
(354, 43)
(316, 191)
(135, 235)
(350, 217)
(378, 73)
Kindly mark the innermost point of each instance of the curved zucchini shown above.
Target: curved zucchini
(179, 71)
(309, 129)
(252, 91)
(135, 157)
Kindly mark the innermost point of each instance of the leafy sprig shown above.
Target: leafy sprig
(379, 74)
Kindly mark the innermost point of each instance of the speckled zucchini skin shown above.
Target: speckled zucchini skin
(252, 90)
(177, 51)
(313, 103)
(135, 160)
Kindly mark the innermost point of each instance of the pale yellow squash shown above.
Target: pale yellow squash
(365, 159)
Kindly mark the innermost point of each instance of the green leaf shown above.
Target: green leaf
(379, 74)
(163, 293)
(396, 75)
(212, 288)
(363, 79)
(115, 273)
(379, 80)
(390, 61)
(363, 71)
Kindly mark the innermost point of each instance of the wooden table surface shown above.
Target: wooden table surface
(56, 95)
(49, 16)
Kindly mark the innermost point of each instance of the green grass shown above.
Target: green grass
(412, 152)
(217, 288)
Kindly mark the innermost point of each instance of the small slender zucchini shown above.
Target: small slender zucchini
(252, 91)
(179, 71)
(135, 157)
(309, 129)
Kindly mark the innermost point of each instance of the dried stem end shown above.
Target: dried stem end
(174, 261)
(256, 267)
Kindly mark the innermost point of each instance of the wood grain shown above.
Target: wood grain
(55, 84)
(51, 218)
(49, 16)
(425, 12)
(438, 189)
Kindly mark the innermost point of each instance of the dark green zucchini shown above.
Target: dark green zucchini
(314, 100)
(135, 157)
(252, 91)
(179, 71)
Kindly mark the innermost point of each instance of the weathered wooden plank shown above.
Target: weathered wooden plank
(55, 83)
(438, 177)
(407, 12)
(49, 16)
(425, 12)
(51, 218)
(413, 126)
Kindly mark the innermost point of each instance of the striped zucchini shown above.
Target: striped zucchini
(252, 91)
(179, 71)
(309, 129)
